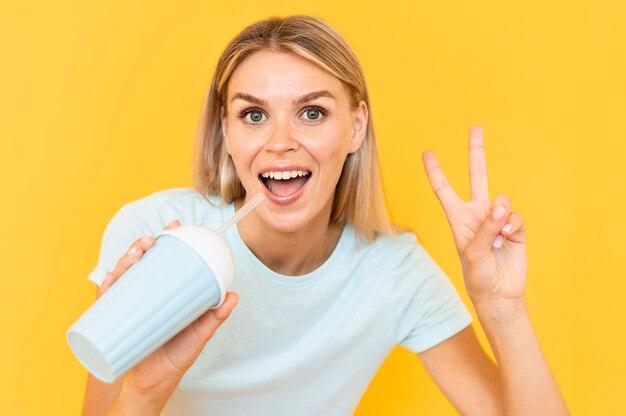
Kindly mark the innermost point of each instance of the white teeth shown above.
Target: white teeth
(284, 175)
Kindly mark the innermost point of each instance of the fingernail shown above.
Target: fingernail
(507, 228)
(498, 241)
(498, 213)
(132, 250)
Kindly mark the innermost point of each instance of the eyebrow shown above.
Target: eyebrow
(313, 95)
(304, 99)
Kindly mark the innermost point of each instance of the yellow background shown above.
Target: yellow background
(99, 105)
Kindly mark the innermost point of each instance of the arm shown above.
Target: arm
(527, 382)
(491, 243)
(521, 383)
(465, 374)
(146, 388)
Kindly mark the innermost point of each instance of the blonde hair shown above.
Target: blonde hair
(359, 196)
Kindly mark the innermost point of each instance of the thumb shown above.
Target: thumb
(490, 228)
(187, 345)
(213, 318)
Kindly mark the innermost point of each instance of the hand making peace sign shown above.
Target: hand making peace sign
(489, 238)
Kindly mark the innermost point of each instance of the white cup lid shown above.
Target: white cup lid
(212, 248)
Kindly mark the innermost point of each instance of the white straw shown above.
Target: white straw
(241, 213)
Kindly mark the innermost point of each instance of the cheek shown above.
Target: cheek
(327, 146)
(243, 145)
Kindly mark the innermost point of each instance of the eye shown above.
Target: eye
(313, 113)
(253, 115)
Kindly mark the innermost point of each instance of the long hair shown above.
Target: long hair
(359, 196)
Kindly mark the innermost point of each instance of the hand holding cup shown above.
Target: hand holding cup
(159, 373)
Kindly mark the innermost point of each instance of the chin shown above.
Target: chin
(285, 222)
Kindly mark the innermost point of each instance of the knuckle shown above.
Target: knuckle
(146, 241)
(433, 168)
(471, 253)
(134, 249)
(126, 260)
(478, 171)
(441, 185)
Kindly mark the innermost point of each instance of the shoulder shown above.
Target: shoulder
(402, 260)
(174, 197)
(157, 209)
(148, 215)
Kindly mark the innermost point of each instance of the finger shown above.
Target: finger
(212, 319)
(489, 229)
(503, 200)
(172, 224)
(185, 347)
(438, 181)
(479, 188)
(107, 282)
(133, 254)
(515, 229)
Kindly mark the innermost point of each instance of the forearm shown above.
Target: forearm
(99, 396)
(528, 385)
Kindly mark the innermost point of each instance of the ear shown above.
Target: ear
(359, 126)
(224, 122)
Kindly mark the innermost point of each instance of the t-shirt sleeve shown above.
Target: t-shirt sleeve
(434, 311)
(131, 222)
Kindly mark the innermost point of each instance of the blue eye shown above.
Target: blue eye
(253, 115)
(314, 114)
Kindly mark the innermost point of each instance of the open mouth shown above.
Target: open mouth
(284, 183)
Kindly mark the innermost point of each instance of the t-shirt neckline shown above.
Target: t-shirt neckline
(233, 237)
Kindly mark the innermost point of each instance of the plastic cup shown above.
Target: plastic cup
(186, 272)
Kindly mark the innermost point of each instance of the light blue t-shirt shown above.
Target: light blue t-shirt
(299, 345)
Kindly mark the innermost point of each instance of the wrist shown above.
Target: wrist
(501, 312)
(132, 401)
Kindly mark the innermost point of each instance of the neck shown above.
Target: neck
(290, 253)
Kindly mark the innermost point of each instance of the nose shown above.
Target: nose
(281, 138)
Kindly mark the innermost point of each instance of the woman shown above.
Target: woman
(327, 285)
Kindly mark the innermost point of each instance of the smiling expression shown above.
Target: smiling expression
(289, 126)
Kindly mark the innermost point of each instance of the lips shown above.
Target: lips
(284, 186)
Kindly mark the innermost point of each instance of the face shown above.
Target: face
(289, 127)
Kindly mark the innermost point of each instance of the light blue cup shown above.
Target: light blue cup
(186, 272)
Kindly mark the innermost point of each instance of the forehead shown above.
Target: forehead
(271, 74)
